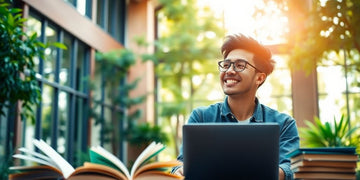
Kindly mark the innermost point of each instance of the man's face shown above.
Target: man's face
(234, 83)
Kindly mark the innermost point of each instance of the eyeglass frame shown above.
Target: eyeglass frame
(235, 68)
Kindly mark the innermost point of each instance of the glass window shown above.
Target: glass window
(100, 11)
(3, 135)
(33, 25)
(80, 67)
(64, 76)
(108, 130)
(50, 53)
(276, 91)
(82, 6)
(111, 17)
(64, 118)
(338, 86)
(80, 121)
(97, 105)
(46, 114)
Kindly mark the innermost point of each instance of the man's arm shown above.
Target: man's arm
(289, 140)
(281, 174)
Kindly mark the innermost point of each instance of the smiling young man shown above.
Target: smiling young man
(244, 69)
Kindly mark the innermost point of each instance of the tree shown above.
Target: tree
(17, 53)
(330, 27)
(187, 48)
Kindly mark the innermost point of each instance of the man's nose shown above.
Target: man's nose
(231, 68)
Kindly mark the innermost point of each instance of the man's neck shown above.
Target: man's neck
(242, 106)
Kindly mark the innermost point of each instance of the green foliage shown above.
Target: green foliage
(188, 46)
(145, 133)
(116, 61)
(114, 67)
(329, 26)
(338, 134)
(17, 53)
(329, 135)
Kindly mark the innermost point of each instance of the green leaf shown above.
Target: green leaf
(58, 45)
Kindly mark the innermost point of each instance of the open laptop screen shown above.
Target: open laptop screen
(231, 151)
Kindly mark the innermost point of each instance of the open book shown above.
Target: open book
(102, 165)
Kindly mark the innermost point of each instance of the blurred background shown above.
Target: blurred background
(123, 73)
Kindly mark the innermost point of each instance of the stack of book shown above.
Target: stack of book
(324, 163)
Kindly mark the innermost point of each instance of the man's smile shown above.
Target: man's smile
(231, 81)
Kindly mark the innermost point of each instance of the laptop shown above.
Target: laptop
(231, 151)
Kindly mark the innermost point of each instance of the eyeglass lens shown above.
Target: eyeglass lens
(239, 65)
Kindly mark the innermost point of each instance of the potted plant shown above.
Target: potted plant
(335, 134)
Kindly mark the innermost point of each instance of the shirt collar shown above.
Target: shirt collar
(256, 117)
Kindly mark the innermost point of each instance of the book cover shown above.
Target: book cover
(325, 157)
(322, 150)
(102, 166)
(303, 169)
(315, 175)
(339, 164)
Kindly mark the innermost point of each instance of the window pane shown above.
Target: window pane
(354, 103)
(3, 133)
(78, 126)
(353, 76)
(95, 126)
(50, 54)
(331, 105)
(80, 67)
(100, 14)
(111, 17)
(109, 128)
(97, 83)
(64, 75)
(72, 2)
(29, 130)
(64, 105)
(33, 25)
(331, 80)
(46, 116)
(276, 91)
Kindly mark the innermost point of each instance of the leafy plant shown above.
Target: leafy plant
(17, 68)
(329, 135)
(145, 133)
(330, 26)
(17, 53)
(114, 66)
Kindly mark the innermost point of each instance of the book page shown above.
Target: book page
(158, 166)
(98, 169)
(157, 175)
(36, 168)
(64, 166)
(149, 152)
(110, 157)
(37, 155)
(34, 159)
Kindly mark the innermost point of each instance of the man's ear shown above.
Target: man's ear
(261, 77)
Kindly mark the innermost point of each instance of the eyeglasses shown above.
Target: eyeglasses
(239, 65)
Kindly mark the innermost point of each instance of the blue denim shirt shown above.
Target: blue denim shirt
(289, 138)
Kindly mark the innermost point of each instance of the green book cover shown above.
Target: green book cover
(99, 159)
(322, 150)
